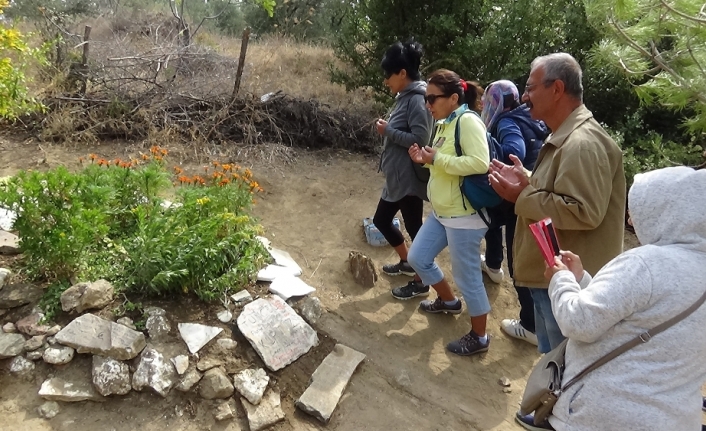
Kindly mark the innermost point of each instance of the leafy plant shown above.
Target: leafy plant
(110, 220)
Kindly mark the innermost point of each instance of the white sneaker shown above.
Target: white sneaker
(495, 276)
(514, 328)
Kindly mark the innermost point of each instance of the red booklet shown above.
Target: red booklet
(545, 235)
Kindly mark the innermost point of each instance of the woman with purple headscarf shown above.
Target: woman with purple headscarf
(510, 123)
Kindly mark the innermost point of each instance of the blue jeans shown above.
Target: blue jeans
(549, 335)
(464, 248)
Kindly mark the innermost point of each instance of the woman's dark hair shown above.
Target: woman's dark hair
(407, 56)
(450, 83)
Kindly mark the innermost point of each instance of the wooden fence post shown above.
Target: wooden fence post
(241, 61)
(84, 58)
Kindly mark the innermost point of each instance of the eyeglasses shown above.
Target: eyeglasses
(529, 87)
(431, 98)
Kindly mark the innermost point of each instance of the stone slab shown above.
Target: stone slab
(17, 295)
(287, 286)
(91, 334)
(276, 332)
(57, 389)
(271, 272)
(154, 371)
(329, 381)
(11, 345)
(265, 414)
(196, 335)
(110, 376)
(242, 297)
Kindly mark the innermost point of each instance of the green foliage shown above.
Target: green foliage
(311, 20)
(109, 220)
(660, 45)
(51, 301)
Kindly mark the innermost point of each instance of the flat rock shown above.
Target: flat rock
(227, 344)
(363, 269)
(155, 372)
(329, 381)
(87, 296)
(58, 355)
(11, 345)
(30, 325)
(208, 363)
(251, 384)
(48, 410)
(310, 309)
(190, 379)
(276, 332)
(126, 321)
(57, 389)
(215, 384)
(226, 410)
(283, 258)
(265, 414)
(9, 243)
(287, 286)
(35, 343)
(9, 328)
(224, 316)
(4, 276)
(196, 335)
(110, 377)
(21, 366)
(181, 364)
(241, 298)
(17, 295)
(54, 330)
(91, 334)
(271, 272)
(158, 327)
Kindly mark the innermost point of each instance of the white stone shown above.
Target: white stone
(242, 297)
(7, 219)
(190, 379)
(21, 366)
(155, 311)
(86, 296)
(58, 355)
(226, 410)
(9, 328)
(181, 364)
(282, 258)
(11, 345)
(126, 321)
(276, 332)
(155, 372)
(9, 243)
(287, 286)
(56, 389)
(265, 414)
(251, 384)
(4, 274)
(271, 272)
(196, 335)
(224, 316)
(54, 330)
(158, 327)
(91, 334)
(48, 410)
(110, 377)
(227, 344)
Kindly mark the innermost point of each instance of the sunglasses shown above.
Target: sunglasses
(431, 98)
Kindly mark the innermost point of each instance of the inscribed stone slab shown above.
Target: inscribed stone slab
(277, 333)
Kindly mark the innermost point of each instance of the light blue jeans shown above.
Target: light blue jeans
(464, 248)
(549, 335)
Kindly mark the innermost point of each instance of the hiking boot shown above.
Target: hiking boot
(400, 268)
(527, 422)
(439, 306)
(469, 344)
(412, 289)
(514, 328)
(495, 275)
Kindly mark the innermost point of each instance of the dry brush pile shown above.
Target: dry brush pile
(142, 82)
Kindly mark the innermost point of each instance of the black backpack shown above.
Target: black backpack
(534, 133)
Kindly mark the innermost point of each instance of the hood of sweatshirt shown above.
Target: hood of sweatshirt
(414, 87)
(667, 207)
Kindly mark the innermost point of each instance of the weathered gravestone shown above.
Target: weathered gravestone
(91, 334)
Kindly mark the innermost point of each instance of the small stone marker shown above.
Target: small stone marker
(196, 335)
(57, 389)
(276, 332)
(155, 372)
(110, 376)
(9, 243)
(86, 296)
(363, 269)
(287, 286)
(329, 381)
(251, 384)
(91, 334)
(11, 345)
(265, 414)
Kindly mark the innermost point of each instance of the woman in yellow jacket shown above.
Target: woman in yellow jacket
(453, 221)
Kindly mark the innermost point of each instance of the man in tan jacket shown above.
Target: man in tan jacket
(578, 181)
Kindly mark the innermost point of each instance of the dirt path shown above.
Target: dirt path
(313, 208)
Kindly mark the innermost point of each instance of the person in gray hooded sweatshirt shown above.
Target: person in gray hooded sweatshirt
(656, 385)
(410, 123)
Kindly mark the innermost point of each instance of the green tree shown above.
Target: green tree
(661, 46)
(302, 19)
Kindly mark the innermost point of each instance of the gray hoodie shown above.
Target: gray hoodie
(655, 386)
(410, 123)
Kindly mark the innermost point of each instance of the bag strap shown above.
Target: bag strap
(640, 339)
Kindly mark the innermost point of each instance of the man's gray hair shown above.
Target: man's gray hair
(564, 67)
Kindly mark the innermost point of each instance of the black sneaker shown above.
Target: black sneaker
(467, 345)
(399, 268)
(439, 306)
(412, 289)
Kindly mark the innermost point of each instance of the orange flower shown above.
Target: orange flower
(92, 157)
(199, 179)
(236, 176)
(248, 173)
(163, 151)
(154, 149)
(224, 182)
(178, 170)
(183, 178)
(217, 174)
(158, 158)
(145, 157)
(227, 167)
(102, 162)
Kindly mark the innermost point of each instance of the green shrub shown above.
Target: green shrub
(110, 220)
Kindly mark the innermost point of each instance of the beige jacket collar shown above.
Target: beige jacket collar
(574, 120)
